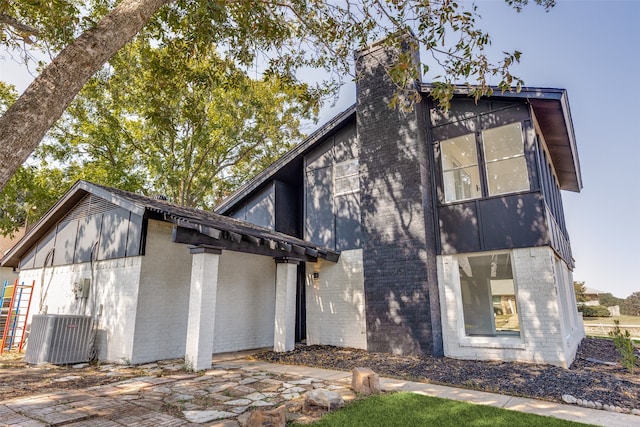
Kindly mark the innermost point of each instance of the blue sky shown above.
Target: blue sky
(592, 49)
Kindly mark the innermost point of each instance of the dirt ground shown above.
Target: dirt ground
(19, 379)
(588, 378)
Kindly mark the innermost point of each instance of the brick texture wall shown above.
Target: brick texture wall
(335, 302)
(245, 302)
(543, 338)
(114, 283)
(402, 307)
(163, 302)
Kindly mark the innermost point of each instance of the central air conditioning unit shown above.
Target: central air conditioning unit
(59, 339)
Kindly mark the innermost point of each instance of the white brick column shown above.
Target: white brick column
(284, 338)
(202, 307)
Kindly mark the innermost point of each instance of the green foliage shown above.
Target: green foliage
(579, 289)
(625, 346)
(608, 300)
(169, 120)
(175, 111)
(27, 196)
(411, 409)
(593, 310)
(288, 37)
(8, 96)
(631, 305)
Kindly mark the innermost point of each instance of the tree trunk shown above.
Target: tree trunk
(25, 123)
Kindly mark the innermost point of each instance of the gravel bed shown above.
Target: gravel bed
(585, 379)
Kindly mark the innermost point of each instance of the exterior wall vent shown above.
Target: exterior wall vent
(59, 339)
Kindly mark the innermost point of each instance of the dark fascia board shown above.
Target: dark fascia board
(57, 212)
(538, 96)
(230, 202)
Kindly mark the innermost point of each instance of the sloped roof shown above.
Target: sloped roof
(550, 105)
(305, 146)
(207, 227)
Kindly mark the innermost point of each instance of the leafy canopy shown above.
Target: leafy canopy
(176, 112)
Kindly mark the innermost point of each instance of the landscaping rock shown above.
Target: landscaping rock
(323, 398)
(365, 381)
(567, 398)
(261, 418)
(206, 416)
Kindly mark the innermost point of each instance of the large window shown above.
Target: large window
(488, 295)
(460, 168)
(504, 168)
(504, 155)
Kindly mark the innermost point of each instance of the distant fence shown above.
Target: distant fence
(601, 329)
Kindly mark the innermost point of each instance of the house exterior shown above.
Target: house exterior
(419, 232)
(161, 281)
(449, 225)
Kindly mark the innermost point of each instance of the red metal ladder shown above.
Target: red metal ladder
(15, 326)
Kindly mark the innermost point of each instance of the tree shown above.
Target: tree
(608, 300)
(164, 120)
(631, 305)
(579, 289)
(288, 36)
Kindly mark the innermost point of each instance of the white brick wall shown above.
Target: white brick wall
(53, 295)
(145, 300)
(335, 302)
(543, 338)
(165, 277)
(245, 302)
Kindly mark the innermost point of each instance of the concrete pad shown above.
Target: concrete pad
(206, 416)
(572, 413)
(472, 396)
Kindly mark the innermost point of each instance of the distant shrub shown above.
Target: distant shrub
(593, 311)
(625, 346)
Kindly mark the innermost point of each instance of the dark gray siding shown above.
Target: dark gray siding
(528, 218)
(94, 229)
(332, 219)
(276, 207)
(260, 210)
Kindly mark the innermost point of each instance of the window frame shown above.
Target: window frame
(481, 165)
(522, 155)
(504, 340)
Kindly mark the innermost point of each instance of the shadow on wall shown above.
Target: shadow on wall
(402, 307)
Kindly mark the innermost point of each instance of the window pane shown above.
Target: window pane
(347, 185)
(346, 177)
(504, 155)
(502, 142)
(460, 168)
(507, 176)
(350, 167)
(459, 152)
(462, 184)
(488, 295)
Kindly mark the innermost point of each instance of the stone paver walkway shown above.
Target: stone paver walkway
(216, 397)
(221, 396)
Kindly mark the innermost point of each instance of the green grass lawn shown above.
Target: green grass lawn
(410, 409)
(624, 320)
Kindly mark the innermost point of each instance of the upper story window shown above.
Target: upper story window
(460, 168)
(504, 155)
(504, 169)
(346, 177)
